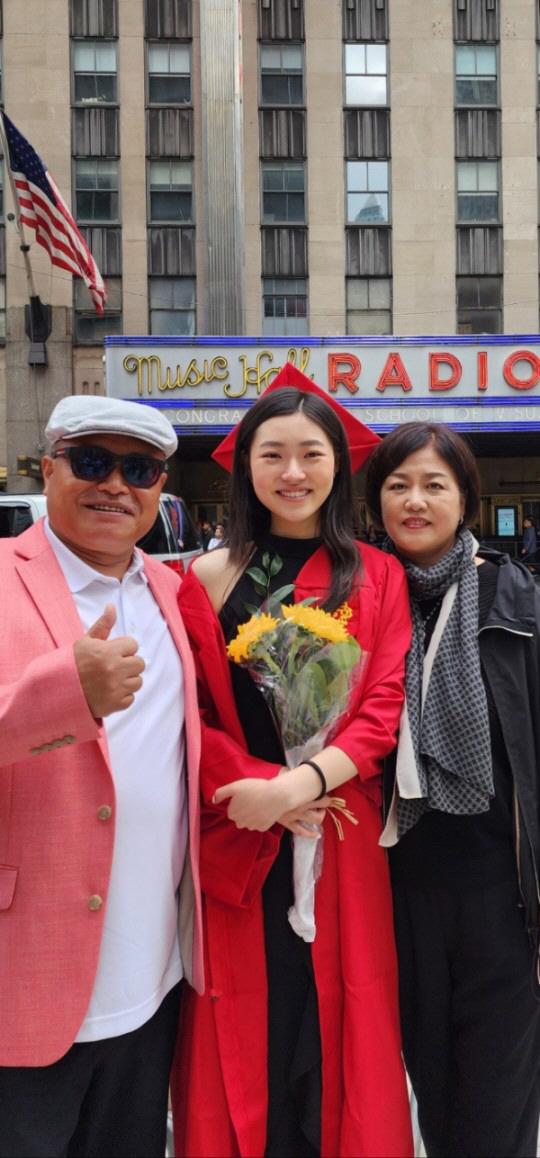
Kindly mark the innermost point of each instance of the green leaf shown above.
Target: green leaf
(258, 576)
(308, 695)
(265, 561)
(338, 689)
(292, 657)
(317, 679)
(274, 565)
(343, 656)
(280, 594)
(251, 608)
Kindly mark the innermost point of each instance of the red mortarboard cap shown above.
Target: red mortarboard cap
(361, 439)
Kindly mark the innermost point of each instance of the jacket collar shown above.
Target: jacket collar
(42, 576)
(32, 542)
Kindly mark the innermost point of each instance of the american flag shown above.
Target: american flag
(42, 207)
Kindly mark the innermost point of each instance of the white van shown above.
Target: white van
(172, 539)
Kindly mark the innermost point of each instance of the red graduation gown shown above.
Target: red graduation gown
(220, 1074)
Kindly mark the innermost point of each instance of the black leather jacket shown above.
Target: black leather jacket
(509, 644)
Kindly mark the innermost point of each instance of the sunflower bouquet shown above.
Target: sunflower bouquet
(307, 667)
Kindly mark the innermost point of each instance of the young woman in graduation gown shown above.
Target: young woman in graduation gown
(295, 1047)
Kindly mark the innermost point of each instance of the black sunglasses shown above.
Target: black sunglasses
(95, 463)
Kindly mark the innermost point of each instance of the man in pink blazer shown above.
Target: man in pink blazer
(100, 914)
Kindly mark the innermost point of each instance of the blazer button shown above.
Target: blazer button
(104, 812)
(94, 902)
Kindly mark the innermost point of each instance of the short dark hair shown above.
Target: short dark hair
(407, 439)
(249, 518)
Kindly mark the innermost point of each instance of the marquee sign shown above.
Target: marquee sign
(472, 383)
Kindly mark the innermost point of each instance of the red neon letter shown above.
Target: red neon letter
(522, 356)
(347, 377)
(436, 360)
(394, 374)
(481, 370)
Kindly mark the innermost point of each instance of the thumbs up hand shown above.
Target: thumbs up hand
(109, 669)
(103, 626)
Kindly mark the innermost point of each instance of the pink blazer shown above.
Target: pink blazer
(56, 841)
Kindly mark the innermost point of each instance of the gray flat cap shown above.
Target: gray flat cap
(80, 414)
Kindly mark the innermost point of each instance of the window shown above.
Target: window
(2, 309)
(283, 191)
(94, 71)
(285, 306)
(367, 192)
(476, 74)
(172, 305)
(369, 302)
(96, 190)
(170, 191)
(169, 73)
(1, 189)
(89, 326)
(365, 74)
(282, 81)
(478, 192)
(479, 305)
(16, 517)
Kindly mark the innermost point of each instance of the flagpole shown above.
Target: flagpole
(24, 245)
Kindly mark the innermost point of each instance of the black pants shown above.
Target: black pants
(294, 1043)
(470, 1020)
(103, 1099)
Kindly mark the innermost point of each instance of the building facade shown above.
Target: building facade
(286, 169)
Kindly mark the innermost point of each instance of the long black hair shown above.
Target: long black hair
(249, 518)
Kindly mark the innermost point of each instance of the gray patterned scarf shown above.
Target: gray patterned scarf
(444, 750)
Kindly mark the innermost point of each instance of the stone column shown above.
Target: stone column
(325, 166)
(131, 72)
(423, 168)
(222, 166)
(251, 193)
(519, 166)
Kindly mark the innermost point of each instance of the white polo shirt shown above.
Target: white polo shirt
(140, 957)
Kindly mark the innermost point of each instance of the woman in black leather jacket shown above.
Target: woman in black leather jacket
(463, 832)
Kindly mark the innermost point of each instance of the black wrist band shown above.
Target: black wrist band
(321, 776)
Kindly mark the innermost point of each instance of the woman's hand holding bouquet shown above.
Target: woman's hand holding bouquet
(259, 804)
(308, 667)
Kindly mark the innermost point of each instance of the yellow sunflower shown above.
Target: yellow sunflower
(317, 621)
(248, 634)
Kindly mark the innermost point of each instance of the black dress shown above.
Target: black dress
(294, 1049)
